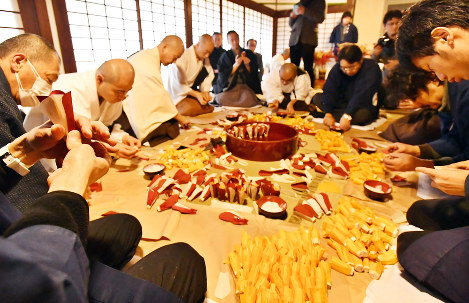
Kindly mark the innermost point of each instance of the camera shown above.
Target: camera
(386, 42)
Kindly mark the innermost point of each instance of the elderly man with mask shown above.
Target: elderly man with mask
(98, 95)
(28, 67)
(288, 89)
(190, 79)
(149, 108)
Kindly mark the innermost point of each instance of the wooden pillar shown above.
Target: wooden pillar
(65, 37)
(139, 22)
(35, 18)
(274, 38)
(188, 19)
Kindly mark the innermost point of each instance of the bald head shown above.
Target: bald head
(114, 78)
(170, 49)
(288, 73)
(204, 47)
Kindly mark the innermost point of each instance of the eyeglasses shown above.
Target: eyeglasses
(351, 68)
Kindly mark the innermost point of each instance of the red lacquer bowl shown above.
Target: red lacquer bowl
(377, 190)
(265, 207)
(281, 143)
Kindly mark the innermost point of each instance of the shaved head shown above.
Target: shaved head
(117, 72)
(288, 72)
(114, 78)
(204, 47)
(170, 49)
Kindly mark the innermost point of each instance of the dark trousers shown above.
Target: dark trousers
(112, 240)
(177, 268)
(363, 116)
(438, 256)
(299, 105)
(305, 51)
(166, 131)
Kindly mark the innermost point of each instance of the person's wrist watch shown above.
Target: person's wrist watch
(347, 116)
(12, 162)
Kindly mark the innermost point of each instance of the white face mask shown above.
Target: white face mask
(28, 97)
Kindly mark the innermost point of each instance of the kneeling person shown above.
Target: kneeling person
(288, 89)
(190, 79)
(351, 90)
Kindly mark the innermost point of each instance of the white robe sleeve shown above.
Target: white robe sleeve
(272, 88)
(302, 87)
(207, 83)
(178, 84)
(148, 104)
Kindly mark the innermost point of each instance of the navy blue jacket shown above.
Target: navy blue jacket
(336, 35)
(42, 257)
(454, 142)
(34, 184)
(352, 93)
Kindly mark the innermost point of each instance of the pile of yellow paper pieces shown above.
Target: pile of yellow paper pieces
(332, 141)
(365, 167)
(361, 239)
(191, 159)
(285, 267)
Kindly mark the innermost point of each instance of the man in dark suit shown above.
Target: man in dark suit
(304, 20)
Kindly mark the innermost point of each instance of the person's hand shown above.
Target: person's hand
(131, 141)
(122, 150)
(45, 141)
(460, 165)
(246, 60)
(405, 162)
(183, 121)
(206, 96)
(83, 165)
(345, 123)
(198, 95)
(239, 60)
(402, 148)
(377, 50)
(274, 105)
(448, 180)
(293, 15)
(329, 120)
(95, 130)
(290, 109)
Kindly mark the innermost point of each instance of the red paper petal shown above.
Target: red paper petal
(168, 203)
(300, 185)
(109, 213)
(300, 174)
(68, 108)
(183, 209)
(320, 169)
(218, 166)
(305, 211)
(96, 187)
(152, 196)
(232, 218)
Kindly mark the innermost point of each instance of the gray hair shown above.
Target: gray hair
(35, 47)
